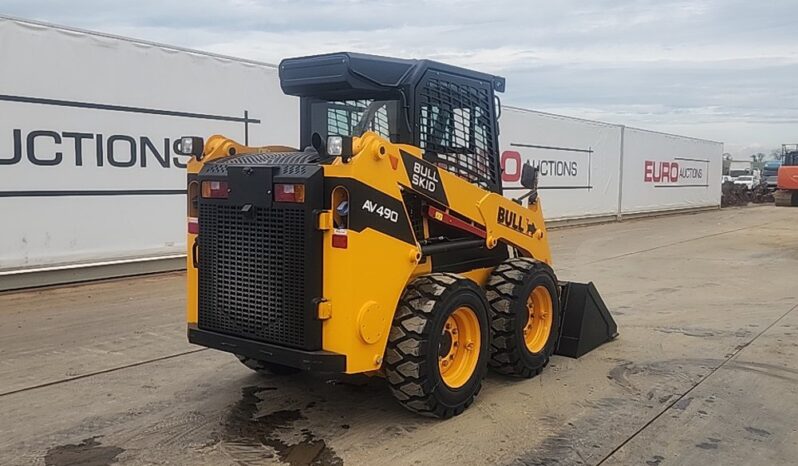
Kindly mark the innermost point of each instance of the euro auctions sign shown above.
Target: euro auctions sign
(677, 172)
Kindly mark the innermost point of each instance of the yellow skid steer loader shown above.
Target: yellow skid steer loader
(386, 244)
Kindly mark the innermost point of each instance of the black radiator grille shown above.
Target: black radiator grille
(252, 273)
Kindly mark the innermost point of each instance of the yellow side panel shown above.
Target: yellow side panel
(192, 280)
(363, 283)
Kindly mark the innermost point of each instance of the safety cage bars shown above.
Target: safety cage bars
(456, 127)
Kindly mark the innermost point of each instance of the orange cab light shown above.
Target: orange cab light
(289, 192)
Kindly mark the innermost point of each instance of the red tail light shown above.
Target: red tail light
(215, 189)
(193, 225)
(339, 239)
(289, 193)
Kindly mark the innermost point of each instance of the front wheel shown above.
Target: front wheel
(437, 350)
(524, 316)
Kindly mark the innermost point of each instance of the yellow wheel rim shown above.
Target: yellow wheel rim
(540, 313)
(458, 350)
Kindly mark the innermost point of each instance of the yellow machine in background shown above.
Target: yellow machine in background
(386, 245)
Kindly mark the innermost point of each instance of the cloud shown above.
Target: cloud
(720, 69)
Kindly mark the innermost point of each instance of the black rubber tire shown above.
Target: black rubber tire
(267, 368)
(507, 290)
(411, 357)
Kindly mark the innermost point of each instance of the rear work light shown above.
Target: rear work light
(289, 193)
(215, 189)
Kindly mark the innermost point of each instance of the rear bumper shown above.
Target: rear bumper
(319, 361)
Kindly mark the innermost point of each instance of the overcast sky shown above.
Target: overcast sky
(724, 69)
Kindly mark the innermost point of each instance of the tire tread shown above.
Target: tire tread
(502, 291)
(405, 364)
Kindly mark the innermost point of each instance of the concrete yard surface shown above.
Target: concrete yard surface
(705, 370)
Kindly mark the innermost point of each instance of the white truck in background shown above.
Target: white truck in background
(739, 168)
(742, 172)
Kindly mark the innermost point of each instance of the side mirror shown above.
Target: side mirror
(318, 143)
(191, 145)
(529, 176)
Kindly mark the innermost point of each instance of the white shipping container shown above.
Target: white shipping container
(578, 161)
(87, 127)
(667, 172)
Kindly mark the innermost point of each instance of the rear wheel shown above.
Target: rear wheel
(266, 368)
(437, 350)
(524, 316)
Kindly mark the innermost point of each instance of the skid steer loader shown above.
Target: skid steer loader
(385, 245)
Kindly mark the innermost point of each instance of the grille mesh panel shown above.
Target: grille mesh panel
(271, 158)
(252, 273)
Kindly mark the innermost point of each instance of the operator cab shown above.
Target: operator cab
(789, 155)
(447, 111)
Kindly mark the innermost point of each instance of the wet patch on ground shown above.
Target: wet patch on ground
(711, 444)
(757, 431)
(770, 370)
(688, 332)
(702, 332)
(253, 439)
(581, 440)
(89, 452)
(683, 403)
(625, 372)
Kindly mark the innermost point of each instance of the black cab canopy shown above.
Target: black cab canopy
(344, 75)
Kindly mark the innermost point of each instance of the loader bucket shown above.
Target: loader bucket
(586, 322)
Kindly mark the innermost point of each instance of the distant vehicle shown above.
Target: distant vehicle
(746, 180)
(770, 172)
(739, 168)
(725, 178)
